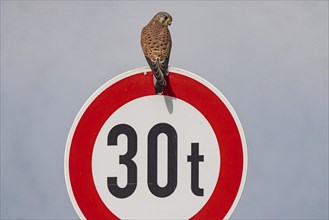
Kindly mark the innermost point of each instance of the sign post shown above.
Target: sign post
(132, 154)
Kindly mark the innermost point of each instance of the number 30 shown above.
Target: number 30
(152, 159)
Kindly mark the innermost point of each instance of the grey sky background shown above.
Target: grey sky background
(269, 58)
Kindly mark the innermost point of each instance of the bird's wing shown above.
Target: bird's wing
(144, 41)
(164, 65)
(166, 53)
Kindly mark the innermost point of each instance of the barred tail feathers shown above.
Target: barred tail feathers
(158, 87)
(159, 75)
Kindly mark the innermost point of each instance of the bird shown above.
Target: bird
(156, 45)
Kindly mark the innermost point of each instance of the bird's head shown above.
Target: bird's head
(163, 18)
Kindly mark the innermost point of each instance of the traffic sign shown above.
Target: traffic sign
(132, 154)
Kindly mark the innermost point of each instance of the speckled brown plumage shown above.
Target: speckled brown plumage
(156, 45)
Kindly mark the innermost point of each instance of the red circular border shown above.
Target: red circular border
(136, 86)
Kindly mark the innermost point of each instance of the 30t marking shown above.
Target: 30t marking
(152, 161)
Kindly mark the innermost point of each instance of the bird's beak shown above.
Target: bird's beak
(168, 21)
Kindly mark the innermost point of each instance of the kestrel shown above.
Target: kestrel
(156, 45)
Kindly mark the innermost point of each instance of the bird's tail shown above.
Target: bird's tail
(159, 87)
(159, 78)
(159, 73)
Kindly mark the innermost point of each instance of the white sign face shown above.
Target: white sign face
(133, 154)
(191, 127)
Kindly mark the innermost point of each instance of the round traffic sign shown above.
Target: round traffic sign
(134, 154)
